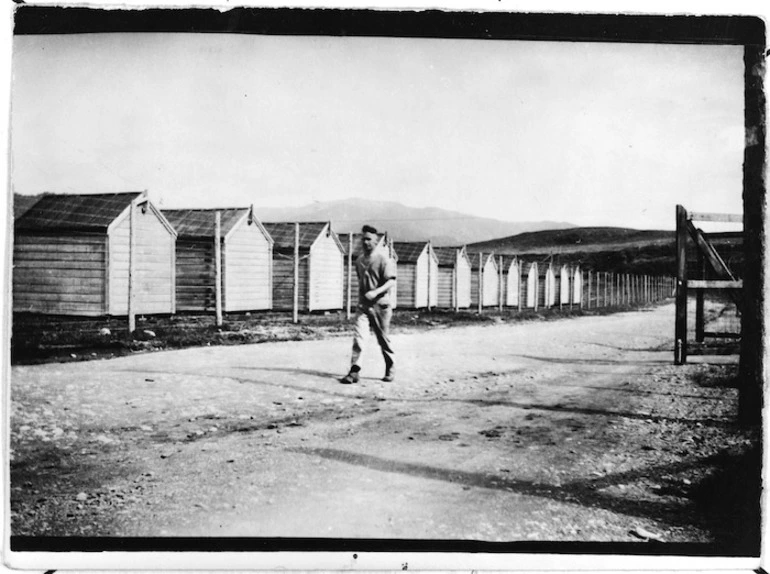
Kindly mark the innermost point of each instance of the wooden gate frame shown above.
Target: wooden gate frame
(707, 254)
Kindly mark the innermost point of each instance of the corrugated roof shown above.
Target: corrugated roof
(446, 255)
(22, 203)
(76, 212)
(409, 251)
(201, 222)
(283, 234)
(474, 258)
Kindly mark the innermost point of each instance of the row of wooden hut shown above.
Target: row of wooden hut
(107, 254)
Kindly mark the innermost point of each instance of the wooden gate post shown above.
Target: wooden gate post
(218, 267)
(680, 329)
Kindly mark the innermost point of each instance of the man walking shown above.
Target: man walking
(376, 277)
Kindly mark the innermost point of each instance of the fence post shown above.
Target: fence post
(218, 267)
(295, 305)
(680, 329)
(132, 269)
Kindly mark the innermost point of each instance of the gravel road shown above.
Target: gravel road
(571, 430)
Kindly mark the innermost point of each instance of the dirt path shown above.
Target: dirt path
(576, 429)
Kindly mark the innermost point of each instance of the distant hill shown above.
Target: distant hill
(405, 223)
(615, 249)
(574, 239)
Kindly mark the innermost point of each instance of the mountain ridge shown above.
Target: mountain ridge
(404, 223)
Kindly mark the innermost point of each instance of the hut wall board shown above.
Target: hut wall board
(246, 272)
(60, 274)
(532, 287)
(474, 288)
(463, 283)
(406, 285)
(326, 274)
(433, 279)
(155, 255)
(421, 281)
(283, 283)
(577, 286)
(445, 287)
(512, 285)
(491, 284)
(195, 275)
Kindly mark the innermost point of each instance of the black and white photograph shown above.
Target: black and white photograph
(367, 280)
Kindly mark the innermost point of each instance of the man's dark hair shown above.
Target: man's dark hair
(368, 229)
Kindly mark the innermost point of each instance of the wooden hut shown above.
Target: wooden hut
(246, 255)
(547, 289)
(351, 243)
(417, 274)
(532, 287)
(563, 286)
(72, 256)
(321, 266)
(577, 285)
(454, 277)
(511, 280)
(488, 277)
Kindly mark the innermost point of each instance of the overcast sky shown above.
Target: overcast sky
(589, 133)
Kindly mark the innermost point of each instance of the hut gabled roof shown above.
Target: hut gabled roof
(71, 212)
(283, 234)
(474, 258)
(22, 203)
(447, 256)
(201, 222)
(409, 251)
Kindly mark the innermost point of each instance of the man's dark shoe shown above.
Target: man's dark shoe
(350, 378)
(390, 374)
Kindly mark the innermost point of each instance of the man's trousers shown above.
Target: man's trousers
(377, 320)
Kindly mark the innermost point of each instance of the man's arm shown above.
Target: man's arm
(378, 291)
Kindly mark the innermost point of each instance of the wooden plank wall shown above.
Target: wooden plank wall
(463, 284)
(531, 286)
(195, 275)
(62, 274)
(283, 283)
(491, 284)
(512, 285)
(155, 262)
(406, 285)
(444, 287)
(563, 287)
(433, 280)
(421, 281)
(246, 270)
(327, 281)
